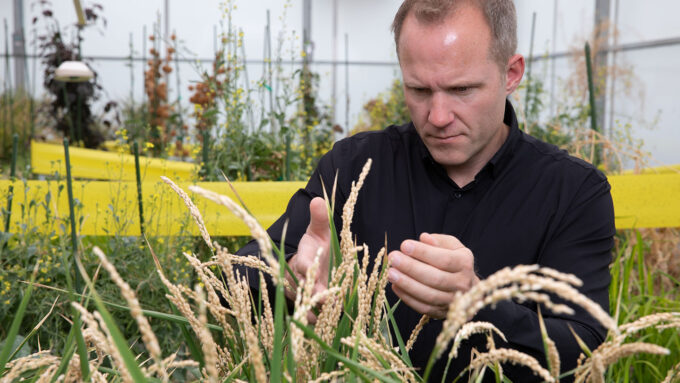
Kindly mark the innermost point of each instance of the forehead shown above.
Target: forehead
(458, 43)
(465, 19)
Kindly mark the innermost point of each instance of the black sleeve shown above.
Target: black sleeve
(580, 245)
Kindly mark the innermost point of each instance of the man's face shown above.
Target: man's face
(454, 90)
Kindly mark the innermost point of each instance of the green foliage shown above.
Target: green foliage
(16, 116)
(637, 290)
(248, 141)
(386, 109)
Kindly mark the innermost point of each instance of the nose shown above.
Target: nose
(440, 114)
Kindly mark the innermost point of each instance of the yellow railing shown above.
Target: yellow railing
(101, 165)
(110, 208)
(646, 200)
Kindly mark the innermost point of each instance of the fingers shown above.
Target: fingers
(428, 275)
(441, 240)
(443, 252)
(436, 312)
(416, 289)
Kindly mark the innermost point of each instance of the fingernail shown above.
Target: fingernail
(393, 275)
(407, 247)
(395, 260)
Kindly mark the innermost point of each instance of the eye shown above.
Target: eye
(420, 90)
(462, 89)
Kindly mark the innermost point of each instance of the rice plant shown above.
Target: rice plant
(232, 333)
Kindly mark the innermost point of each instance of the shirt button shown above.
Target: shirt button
(458, 195)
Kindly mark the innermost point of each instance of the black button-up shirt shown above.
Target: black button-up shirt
(531, 204)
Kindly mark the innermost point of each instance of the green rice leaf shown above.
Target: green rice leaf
(16, 322)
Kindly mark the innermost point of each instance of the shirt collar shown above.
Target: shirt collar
(502, 156)
(500, 159)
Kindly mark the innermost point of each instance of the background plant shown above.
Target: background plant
(251, 340)
(71, 104)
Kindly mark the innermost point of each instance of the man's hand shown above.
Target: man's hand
(426, 274)
(318, 235)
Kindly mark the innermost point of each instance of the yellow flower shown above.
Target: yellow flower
(149, 145)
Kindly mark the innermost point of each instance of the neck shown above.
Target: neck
(465, 173)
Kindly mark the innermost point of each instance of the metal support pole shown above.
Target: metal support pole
(602, 10)
(308, 46)
(553, 74)
(334, 72)
(166, 39)
(19, 48)
(270, 82)
(9, 99)
(74, 238)
(529, 84)
(347, 128)
(612, 85)
(132, 77)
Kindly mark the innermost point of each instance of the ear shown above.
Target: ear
(513, 73)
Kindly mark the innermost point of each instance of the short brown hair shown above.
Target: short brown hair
(500, 16)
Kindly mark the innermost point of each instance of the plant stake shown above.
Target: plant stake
(591, 92)
(135, 148)
(74, 238)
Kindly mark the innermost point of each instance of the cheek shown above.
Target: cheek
(415, 107)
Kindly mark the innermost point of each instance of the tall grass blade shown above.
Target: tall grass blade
(279, 303)
(397, 334)
(16, 322)
(34, 330)
(194, 349)
(119, 340)
(69, 350)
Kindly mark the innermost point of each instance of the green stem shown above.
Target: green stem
(12, 174)
(135, 148)
(593, 111)
(68, 111)
(287, 175)
(206, 151)
(74, 238)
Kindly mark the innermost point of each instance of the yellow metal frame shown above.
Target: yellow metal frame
(110, 208)
(97, 164)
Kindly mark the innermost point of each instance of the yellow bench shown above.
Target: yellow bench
(47, 159)
(110, 208)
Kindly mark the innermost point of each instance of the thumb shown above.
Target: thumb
(318, 218)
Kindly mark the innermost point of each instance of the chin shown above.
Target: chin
(449, 161)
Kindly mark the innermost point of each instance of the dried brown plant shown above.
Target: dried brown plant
(504, 355)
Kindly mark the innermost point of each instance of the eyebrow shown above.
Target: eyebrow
(475, 84)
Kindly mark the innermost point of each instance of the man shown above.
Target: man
(461, 192)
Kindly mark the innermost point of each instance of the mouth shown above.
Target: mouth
(447, 138)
